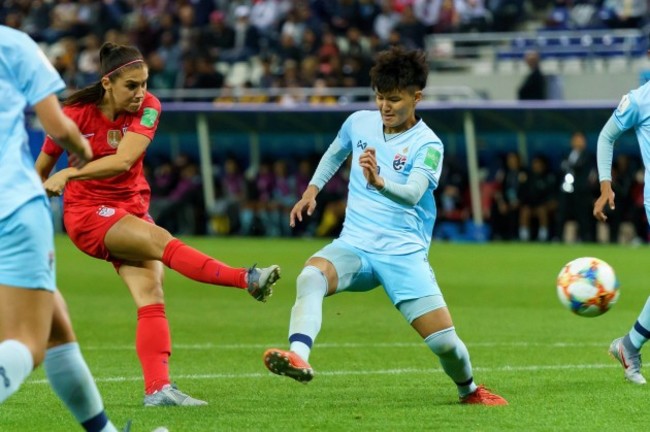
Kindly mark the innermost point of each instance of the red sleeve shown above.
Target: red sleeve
(146, 121)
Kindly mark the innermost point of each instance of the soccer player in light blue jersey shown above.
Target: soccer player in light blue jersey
(396, 164)
(633, 111)
(34, 324)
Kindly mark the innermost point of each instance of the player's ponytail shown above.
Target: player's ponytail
(113, 60)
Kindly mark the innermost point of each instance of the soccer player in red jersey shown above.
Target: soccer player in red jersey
(106, 210)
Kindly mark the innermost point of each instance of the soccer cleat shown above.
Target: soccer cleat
(630, 360)
(171, 396)
(261, 281)
(482, 396)
(288, 363)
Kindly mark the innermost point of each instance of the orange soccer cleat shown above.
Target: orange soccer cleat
(288, 363)
(482, 396)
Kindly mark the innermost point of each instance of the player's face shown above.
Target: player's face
(129, 88)
(397, 109)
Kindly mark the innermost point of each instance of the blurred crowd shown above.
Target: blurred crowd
(544, 200)
(279, 44)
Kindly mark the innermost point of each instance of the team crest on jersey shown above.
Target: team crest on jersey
(104, 211)
(362, 145)
(399, 161)
(113, 137)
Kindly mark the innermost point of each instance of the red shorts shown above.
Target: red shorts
(87, 226)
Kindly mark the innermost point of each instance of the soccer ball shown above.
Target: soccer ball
(587, 286)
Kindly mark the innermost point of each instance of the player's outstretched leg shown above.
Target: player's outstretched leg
(288, 363)
(169, 395)
(261, 280)
(629, 356)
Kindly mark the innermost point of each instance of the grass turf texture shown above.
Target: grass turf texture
(373, 372)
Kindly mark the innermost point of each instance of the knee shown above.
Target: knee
(311, 280)
(443, 342)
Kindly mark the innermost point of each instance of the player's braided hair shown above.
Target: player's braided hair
(399, 69)
(113, 60)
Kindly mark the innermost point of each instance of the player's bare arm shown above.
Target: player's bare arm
(131, 147)
(308, 202)
(606, 198)
(63, 130)
(368, 161)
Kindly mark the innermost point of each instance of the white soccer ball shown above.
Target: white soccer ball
(587, 286)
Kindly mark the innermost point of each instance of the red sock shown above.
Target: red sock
(199, 267)
(153, 345)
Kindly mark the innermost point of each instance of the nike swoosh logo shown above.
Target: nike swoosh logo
(88, 135)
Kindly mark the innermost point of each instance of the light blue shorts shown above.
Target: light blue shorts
(404, 277)
(27, 247)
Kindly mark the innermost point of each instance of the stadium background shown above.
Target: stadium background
(259, 88)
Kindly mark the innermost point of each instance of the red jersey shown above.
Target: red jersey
(128, 190)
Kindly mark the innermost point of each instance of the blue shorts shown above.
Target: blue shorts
(27, 251)
(404, 277)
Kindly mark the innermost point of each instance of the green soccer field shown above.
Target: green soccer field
(372, 371)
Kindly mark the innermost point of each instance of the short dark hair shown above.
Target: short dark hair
(399, 69)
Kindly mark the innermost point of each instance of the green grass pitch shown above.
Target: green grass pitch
(373, 373)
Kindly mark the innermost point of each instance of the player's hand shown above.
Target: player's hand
(55, 184)
(307, 203)
(606, 198)
(368, 161)
(81, 156)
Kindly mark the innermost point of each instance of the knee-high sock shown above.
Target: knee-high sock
(200, 267)
(640, 332)
(307, 312)
(454, 358)
(72, 381)
(16, 363)
(153, 345)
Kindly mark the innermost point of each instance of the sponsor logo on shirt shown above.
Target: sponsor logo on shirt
(432, 159)
(399, 161)
(362, 145)
(149, 116)
(106, 212)
(113, 137)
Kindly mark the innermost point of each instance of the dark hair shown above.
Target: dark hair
(112, 58)
(399, 69)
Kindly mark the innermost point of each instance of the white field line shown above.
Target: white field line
(515, 369)
(283, 344)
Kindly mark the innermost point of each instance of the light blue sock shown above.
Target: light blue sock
(72, 381)
(16, 363)
(640, 332)
(454, 358)
(307, 312)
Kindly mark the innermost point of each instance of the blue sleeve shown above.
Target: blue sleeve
(35, 75)
(329, 164)
(605, 150)
(344, 134)
(428, 161)
(409, 193)
(626, 114)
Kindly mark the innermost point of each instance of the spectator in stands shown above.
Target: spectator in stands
(385, 21)
(411, 30)
(217, 36)
(474, 16)
(247, 38)
(629, 14)
(538, 200)
(507, 199)
(534, 85)
(622, 184)
(579, 183)
(448, 18)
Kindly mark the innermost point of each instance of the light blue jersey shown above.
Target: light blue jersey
(373, 222)
(26, 78)
(634, 112)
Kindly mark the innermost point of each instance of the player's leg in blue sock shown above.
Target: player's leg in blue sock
(640, 332)
(16, 364)
(454, 358)
(307, 312)
(72, 381)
